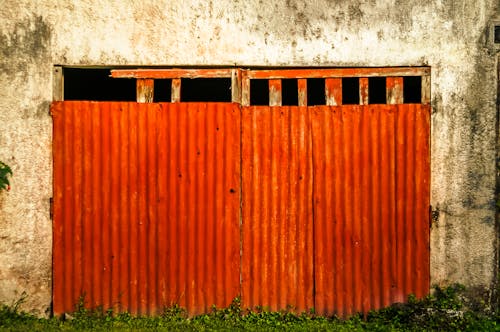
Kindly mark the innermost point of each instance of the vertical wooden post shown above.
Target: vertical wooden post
(275, 92)
(302, 91)
(333, 91)
(58, 84)
(176, 90)
(245, 89)
(363, 90)
(426, 89)
(236, 85)
(394, 90)
(145, 90)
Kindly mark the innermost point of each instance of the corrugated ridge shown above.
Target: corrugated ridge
(277, 183)
(413, 128)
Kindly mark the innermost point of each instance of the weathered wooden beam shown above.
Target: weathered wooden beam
(333, 91)
(145, 90)
(171, 73)
(363, 90)
(394, 90)
(57, 84)
(339, 72)
(236, 86)
(275, 93)
(302, 91)
(272, 73)
(175, 95)
(426, 89)
(245, 89)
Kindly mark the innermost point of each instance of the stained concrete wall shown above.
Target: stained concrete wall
(451, 36)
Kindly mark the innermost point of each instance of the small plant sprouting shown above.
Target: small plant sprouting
(5, 172)
(174, 313)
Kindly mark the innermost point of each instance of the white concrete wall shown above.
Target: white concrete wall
(448, 35)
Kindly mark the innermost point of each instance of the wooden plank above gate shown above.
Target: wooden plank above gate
(426, 89)
(171, 73)
(176, 90)
(333, 91)
(275, 98)
(58, 84)
(363, 91)
(145, 90)
(394, 90)
(302, 92)
(240, 81)
(338, 72)
(271, 73)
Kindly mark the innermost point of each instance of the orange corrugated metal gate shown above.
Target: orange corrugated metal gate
(195, 204)
(146, 205)
(371, 203)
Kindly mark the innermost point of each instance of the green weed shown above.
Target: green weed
(5, 172)
(444, 310)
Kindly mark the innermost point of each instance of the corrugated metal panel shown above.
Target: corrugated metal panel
(146, 205)
(413, 199)
(371, 199)
(277, 265)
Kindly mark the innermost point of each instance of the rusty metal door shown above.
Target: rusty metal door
(146, 205)
(277, 264)
(371, 203)
(335, 206)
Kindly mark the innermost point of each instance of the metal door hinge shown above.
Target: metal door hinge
(51, 208)
(434, 216)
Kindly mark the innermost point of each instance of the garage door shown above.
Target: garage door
(314, 196)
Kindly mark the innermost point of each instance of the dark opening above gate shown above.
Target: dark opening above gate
(273, 87)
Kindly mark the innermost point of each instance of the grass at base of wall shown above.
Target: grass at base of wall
(444, 310)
